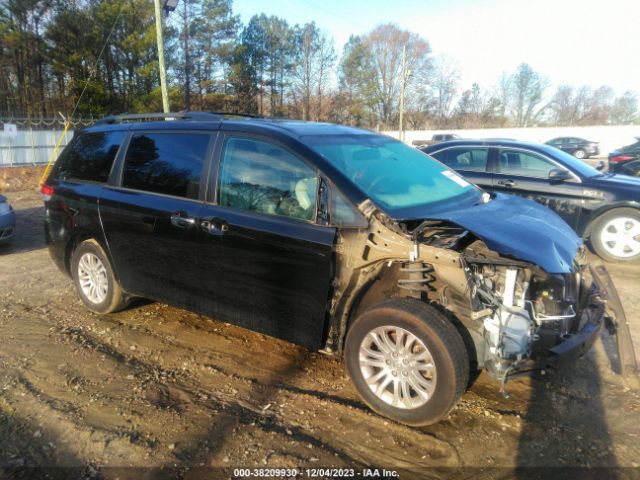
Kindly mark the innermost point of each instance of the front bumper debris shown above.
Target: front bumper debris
(615, 317)
(577, 344)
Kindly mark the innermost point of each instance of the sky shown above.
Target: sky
(577, 42)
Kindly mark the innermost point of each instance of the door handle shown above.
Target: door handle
(180, 220)
(215, 226)
(507, 183)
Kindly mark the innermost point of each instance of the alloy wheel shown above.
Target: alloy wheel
(398, 367)
(620, 237)
(92, 277)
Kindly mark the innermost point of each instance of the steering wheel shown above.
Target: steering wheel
(283, 197)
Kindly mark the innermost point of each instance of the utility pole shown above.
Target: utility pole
(163, 71)
(404, 79)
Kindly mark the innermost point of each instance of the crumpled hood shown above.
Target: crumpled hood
(522, 229)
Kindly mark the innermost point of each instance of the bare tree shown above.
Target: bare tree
(445, 86)
(316, 57)
(385, 44)
(625, 109)
(527, 88)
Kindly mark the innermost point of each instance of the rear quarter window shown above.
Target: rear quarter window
(90, 157)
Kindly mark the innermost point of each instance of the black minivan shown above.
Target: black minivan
(331, 237)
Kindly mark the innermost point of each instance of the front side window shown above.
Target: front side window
(343, 214)
(167, 163)
(514, 162)
(90, 157)
(465, 158)
(262, 177)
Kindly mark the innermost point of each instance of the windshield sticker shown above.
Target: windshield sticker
(456, 178)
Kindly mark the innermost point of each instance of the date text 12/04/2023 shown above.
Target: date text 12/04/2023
(315, 472)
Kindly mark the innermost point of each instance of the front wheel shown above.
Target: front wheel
(581, 154)
(94, 279)
(407, 361)
(616, 235)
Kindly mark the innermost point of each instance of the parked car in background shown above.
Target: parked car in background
(604, 208)
(331, 237)
(437, 138)
(578, 147)
(7, 220)
(626, 160)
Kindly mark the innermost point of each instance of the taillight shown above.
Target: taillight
(47, 192)
(620, 158)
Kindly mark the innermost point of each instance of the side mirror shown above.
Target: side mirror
(559, 175)
(600, 165)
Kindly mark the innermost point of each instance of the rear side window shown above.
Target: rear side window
(167, 163)
(90, 157)
(464, 158)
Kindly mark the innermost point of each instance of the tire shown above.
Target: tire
(442, 373)
(608, 237)
(90, 267)
(581, 154)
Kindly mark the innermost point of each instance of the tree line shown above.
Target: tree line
(51, 51)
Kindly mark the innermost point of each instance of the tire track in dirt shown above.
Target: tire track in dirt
(249, 412)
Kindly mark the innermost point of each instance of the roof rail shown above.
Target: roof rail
(236, 114)
(141, 117)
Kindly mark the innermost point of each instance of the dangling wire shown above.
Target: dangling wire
(95, 67)
(68, 121)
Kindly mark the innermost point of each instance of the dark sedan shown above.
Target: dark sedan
(578, 147)
(626, 160)
(601, 207)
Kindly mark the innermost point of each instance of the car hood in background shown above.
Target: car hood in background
(522, 229)
(614, 180)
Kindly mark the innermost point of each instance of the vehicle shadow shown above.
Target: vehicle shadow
(564, 431)
(28, 233)
(239, 414)
(28, 451)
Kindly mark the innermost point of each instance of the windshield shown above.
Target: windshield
(395, 176)
(578, 166)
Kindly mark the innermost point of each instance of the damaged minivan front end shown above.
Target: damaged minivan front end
(439, 278)
(515, 316)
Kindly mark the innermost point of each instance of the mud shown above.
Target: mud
(172, 393)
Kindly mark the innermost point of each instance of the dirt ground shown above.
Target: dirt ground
(158, 392)
(16, 179)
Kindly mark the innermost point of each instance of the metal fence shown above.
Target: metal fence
(32, 141)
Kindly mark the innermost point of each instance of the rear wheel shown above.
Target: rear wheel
(580, 154)
(616, 235)
(94, 279)
(407, 361)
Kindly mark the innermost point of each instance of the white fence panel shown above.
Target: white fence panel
(30, 147)
(609, 136)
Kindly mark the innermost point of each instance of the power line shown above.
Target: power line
(95, 67)
(351, 21)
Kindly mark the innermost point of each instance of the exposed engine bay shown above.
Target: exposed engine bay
(518, 317)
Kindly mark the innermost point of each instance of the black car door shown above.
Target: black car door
(568, 145)
(265, 263)
(150, 213)
(526, 173)
(469, 161)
